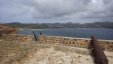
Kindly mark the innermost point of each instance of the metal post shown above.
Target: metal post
(35, 36)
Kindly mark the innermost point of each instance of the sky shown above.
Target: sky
(56, 11)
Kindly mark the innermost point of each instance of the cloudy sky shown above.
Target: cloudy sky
(51, 11)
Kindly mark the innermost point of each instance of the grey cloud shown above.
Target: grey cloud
(47, 10)
(54, 8)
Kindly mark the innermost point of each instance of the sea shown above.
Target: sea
(99, 33)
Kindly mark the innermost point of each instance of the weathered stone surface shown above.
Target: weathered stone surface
(17, 38)
(77, 42)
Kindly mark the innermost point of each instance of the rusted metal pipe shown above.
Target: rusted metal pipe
(99, 55)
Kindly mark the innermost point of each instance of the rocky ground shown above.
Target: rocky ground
(33, 53)
(11, 51)
(52, 56)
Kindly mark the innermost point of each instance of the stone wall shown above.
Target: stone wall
(75, 42)
(17, 38)
(58, 40)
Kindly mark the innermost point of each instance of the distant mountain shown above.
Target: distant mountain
(61, 25)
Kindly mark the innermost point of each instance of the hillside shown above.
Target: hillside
(60, 25)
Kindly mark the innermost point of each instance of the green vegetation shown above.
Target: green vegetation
(61, 25)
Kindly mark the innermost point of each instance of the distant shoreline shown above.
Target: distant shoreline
(61, 25)
(60, 28)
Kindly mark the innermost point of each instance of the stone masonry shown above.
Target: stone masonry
(58, 40)
(75, 42)
(17, 38)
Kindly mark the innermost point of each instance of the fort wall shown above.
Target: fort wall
(58, 40)
(17, 38)
(75, 42)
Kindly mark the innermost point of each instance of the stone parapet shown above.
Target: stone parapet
(17, 38)
(75, 42)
